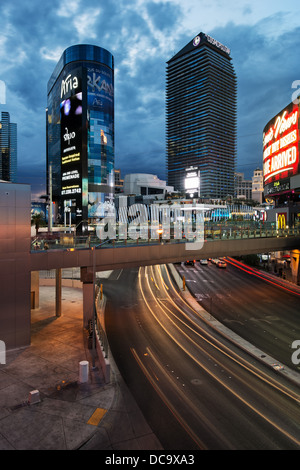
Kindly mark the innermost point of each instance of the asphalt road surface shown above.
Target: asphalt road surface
(196, 390)
(264, 312)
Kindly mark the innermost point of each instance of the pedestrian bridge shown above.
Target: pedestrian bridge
(67, 251)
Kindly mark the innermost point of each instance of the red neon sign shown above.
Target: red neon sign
(281, 145)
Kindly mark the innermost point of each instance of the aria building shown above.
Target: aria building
(201, 108)
(8, 149)
(80, 135)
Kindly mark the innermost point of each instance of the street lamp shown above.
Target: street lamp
(160, 232)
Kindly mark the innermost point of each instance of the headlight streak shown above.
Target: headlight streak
(194, 408)
(167, 402)
(207, 370)
(231, 354)
(253, 272)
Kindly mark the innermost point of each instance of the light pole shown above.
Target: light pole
(94, 318)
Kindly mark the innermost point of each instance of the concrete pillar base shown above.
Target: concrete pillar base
(295, 265)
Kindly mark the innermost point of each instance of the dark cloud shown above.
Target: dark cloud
(163, 15)
(265, 67)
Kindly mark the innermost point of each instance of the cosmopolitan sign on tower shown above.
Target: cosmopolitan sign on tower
(281, 145)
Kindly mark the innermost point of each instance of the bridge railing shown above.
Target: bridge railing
(210, 233)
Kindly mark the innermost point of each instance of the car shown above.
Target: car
(215, 260)
(221, 264)
(190, 263)
(203, 261)
(277, 366)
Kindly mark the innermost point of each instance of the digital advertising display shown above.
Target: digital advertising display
(192, 181)
(100, 89)
(281, 147)
(71, 145)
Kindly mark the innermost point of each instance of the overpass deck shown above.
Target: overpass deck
(92, 253)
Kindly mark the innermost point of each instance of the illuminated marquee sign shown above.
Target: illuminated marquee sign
(198, 39)
(217, 44)
(281, 145)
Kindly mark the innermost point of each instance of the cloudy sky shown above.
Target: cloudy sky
(263, 35)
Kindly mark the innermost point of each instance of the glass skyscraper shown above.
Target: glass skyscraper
(80, 134)
(8, 149)
(201, 116)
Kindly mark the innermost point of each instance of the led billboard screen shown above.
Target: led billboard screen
(100, 89)
(71, 135)
(281, 145)
(71, 153)
(192, 180)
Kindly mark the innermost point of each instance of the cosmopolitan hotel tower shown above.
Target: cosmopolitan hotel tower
(201, 116)
(80, 135)
(8, 149)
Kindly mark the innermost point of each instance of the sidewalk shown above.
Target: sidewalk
(70, 415)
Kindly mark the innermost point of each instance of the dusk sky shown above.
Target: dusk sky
(264, 38)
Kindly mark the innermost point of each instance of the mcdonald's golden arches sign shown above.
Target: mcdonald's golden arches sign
(281, 220)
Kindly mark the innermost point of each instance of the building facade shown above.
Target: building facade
(144, 184)
(8, 149)
(201, 103)
(257, 186)
(80, 134)
(242, 187)
(119, 182)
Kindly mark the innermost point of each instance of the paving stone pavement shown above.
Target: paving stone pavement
(69, 415)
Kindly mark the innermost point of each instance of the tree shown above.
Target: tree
(37, 220)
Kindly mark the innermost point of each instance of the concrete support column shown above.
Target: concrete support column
(35, 289)
(295, 265)
(87, 279)
(58, 292)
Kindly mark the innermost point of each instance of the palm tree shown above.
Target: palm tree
(37, 220)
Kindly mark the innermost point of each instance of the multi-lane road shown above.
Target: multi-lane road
(195, 388)
(258, 307)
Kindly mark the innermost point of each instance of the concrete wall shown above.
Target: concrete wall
(15, 278)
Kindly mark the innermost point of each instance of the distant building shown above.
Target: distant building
(201, 114)
(143, 184)
(8, 149)
(119, 183)
(242, 187)
(257, 186)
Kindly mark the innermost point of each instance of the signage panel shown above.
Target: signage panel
(281, 145)
(71, 148)
(192, 181)
(281, 220)
(100, 89)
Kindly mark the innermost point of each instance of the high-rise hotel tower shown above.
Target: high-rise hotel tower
(201, 116)
(8, 149)
(80, 134)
